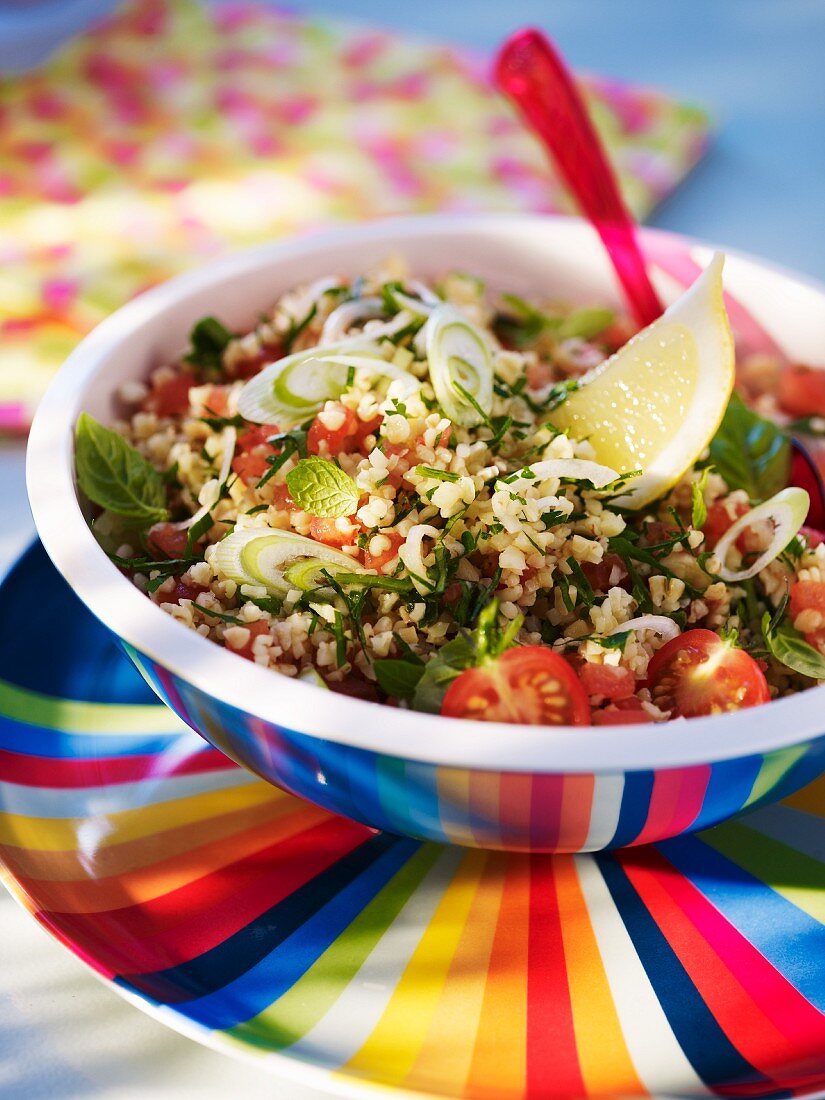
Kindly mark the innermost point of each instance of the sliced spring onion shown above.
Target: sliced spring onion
(306, 573)
(361, 309)
(412, 554)
(418, 308)
(459, 356)
(296, 387)
(576, 469)
(263, 556)
(658, 624)
(786, 511)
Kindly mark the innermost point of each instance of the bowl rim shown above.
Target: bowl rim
(247, 687)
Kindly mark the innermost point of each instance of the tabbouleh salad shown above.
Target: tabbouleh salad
(375, 490)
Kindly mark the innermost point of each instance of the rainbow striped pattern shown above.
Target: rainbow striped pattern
(235, 912)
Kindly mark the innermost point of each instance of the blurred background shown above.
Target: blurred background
(132, 149)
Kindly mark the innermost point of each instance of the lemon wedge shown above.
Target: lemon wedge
(656, 404)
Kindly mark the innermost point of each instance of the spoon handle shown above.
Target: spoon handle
(530, 71)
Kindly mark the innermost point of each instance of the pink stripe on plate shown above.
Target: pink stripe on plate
(675, 802)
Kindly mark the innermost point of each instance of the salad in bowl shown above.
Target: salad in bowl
(436, 496)
(407, 519)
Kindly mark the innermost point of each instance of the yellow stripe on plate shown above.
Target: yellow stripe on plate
(397, 1039)
(90, 833)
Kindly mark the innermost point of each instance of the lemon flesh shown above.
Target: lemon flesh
(656, 404)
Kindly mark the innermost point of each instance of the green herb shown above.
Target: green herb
(791, 650)
(699, 510)
(297, 327)
(271, 604)
(340, 639)
(501, 426)
(751, 453)
(468, 397)
(167, 567)
(218, 423)
(440, 671)
(398, 678)
(522, 324)
(808, 425)
(585, 323)
(208, 341)
(583, 586)
(258, 508)
(291, 442)
(437, 475)
(367, 580)
(614, 641)
(221, 615)
(554, 518)
(197, 530)
(116, 476)
(320, 487)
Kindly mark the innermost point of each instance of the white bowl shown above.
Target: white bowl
(485, 784)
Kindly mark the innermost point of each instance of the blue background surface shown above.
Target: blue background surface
(758, 64)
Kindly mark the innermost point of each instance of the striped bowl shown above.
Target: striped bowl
(484, 785)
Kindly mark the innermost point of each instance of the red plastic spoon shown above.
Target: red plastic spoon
(530, 71)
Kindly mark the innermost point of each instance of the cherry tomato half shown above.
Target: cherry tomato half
(699, 673)
(529, 684)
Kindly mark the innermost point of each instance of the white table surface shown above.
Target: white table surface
(758, 62)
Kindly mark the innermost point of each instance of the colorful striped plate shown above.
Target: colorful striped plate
(262, 925)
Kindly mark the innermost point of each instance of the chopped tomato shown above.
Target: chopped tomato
(380, 560)
(332, 440)
(621, 716)
(255, 629)
(720, 520)
(253, 450)
(801, 390)
(215, 401)
(618, 333)
(539, 375)
(248, 368)
(282, 499)
(810, 596)
(356, 687)
(699, 673)
(609, 573)
(171, 398)
(349, 436)
(325, 529)
(608, 681)
(181, 591)
(527, 684)
(813, 537)
(168, 540)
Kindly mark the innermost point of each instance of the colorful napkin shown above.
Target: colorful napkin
(173, 131)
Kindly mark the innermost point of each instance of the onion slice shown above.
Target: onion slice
(262, 555)
(411, 554)
(576, 469)
(458, 353)
(659, 624)
(786, 511)
(361, 309)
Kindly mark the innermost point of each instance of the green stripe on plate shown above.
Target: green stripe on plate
(76, 717)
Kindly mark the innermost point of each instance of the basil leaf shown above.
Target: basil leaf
(751, 453)
(116, 476)
(208, 340)
(791, 650)
(398, 678)
(320, 487)
(450, 661)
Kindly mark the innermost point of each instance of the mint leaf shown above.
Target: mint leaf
(791, 650)
(751, 453)
(398, 678)
(320, 487)
(117, 477)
